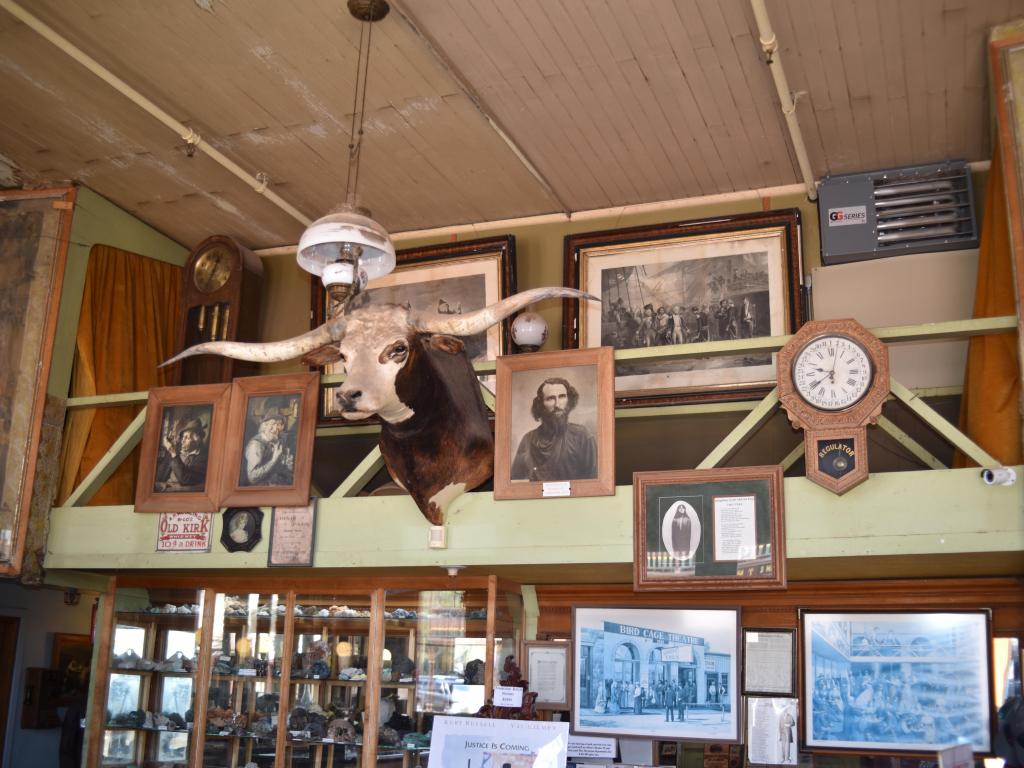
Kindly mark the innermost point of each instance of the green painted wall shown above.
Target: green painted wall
(97, 221)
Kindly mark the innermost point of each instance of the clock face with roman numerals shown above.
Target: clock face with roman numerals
(832, 372)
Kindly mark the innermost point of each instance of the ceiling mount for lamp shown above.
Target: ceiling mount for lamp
(347, 248)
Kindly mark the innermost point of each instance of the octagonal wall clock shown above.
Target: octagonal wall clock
(833, 377)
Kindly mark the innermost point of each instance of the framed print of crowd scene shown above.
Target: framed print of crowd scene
(708, 529)
(555, 425)
(451, 278)
(182, 442)
(730, 278)
(268, 459)
(658, 673)
(896, 682)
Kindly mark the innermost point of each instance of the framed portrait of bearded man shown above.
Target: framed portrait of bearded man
(555, 425)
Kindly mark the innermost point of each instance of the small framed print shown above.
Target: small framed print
(549, 670)
(555, 425)
(769, 662)
(772, 728)
(184, 429)
(269, 455)
(708, 529)
(242, 528)
(292, 536)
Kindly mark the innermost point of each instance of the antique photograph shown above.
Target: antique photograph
(726, 279)
(269, 453)
(241, 528)
(554, 424)
(709, 529)
(182, 442)
(772, 730)
(72, 658)
(548, 670)
(885, 682)
(450, 279)
(661, 673)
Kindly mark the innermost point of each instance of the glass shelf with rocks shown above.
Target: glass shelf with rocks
(244, 681)
(327, 685)
(151, 683)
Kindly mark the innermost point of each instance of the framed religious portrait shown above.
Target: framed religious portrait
(769, 662)
(449, 278)
(705, 529)
(878, 682)
(549, 671)
(269, 454)
(182, 442)
(555, 425)
(732, 278)
(667, 674)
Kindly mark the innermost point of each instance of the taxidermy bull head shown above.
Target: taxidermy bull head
(411, 370)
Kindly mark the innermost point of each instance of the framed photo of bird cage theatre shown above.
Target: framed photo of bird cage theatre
(884, 682)
(709, 529)
(450, 279)
(732, 278)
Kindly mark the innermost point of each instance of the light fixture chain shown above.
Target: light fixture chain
(362, 106)
(355, 139)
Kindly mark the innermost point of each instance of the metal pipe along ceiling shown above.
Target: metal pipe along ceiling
(258, 183)
(770, 46)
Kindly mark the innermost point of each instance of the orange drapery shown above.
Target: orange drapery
(127, 328)
(990, 407)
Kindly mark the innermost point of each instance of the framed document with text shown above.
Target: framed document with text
(769, 662)
(547, 669)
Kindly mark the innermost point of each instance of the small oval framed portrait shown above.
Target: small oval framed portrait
(242, 529)
(680, 530)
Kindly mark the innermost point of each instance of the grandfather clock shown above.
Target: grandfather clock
(220, 301)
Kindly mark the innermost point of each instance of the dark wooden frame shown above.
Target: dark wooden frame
(864, 748)
(507, 367)
(546, 645)
(501, 248)
(306, 562)
(704, 482)
(735, 699)
(218, 396)
(303, 385)
(241, 546)
(62, 642)
(790, 692)
(42, 313)
(577, 246)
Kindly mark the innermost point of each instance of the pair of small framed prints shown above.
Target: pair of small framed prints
(244, 444)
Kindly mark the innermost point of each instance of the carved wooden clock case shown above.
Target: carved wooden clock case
(220, 301)
(833, 377)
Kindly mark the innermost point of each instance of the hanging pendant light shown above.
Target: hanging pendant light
(347, 248)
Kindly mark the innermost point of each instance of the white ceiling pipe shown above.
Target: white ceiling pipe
(257, 183)
(770, 46)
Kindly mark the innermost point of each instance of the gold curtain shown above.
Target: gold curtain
(990, 407)
(127, 328)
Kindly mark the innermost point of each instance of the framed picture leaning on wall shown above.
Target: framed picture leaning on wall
(883, 682)
(731, 278)
(182, 446)
(659, 673)
(450, 278)
(555, 425)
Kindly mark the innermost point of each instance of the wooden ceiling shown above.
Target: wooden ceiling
(614, 102)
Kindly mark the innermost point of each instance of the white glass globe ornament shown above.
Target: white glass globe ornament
(345, 249)
(529, 331)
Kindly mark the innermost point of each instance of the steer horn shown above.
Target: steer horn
(482, 319)
(272, 352)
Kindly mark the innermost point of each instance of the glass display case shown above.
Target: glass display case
(311, 677)
(149, 701)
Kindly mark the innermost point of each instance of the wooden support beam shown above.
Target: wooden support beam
(106, 466)
(107, 401)
(910, 443)
(933, 419)
(744, 429)
(360, 476)
(793, 457)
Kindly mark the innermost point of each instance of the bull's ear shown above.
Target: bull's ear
(325, 355)
(449, 344)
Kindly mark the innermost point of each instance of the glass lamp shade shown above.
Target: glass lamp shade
(345, 235)
(529, 331)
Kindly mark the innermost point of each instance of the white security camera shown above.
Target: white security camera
(999, 476)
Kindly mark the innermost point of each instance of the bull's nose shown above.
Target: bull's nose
(347, 399)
